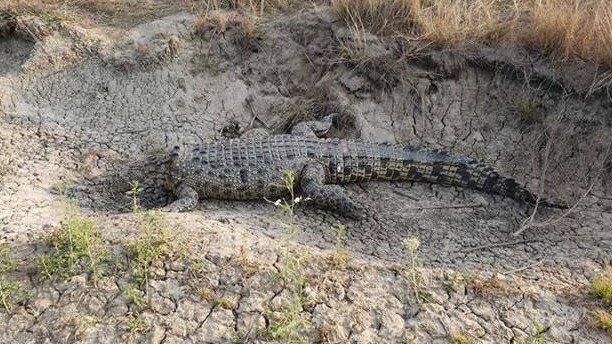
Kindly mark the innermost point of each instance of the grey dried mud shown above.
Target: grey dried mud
(81, 108)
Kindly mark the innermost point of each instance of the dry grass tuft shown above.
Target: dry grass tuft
(572, 28)
(461, 22)
(602, 319)
(601, 285)
(114, 12)
(379, 16)
(561, 29)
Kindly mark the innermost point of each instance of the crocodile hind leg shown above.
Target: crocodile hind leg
(312, 183)
(314, 129)
(187, 200)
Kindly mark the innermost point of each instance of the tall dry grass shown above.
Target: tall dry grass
(561, 29)
(572, 28)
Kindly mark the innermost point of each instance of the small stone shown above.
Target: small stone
(156, 335)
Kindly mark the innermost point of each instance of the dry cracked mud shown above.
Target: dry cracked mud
(77, 103)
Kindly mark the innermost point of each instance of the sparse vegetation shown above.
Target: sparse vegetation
(602, 320)
(601, 285)
(136, 324)
(528, 110)
(224, 302)
(561, 29)
(149, 247)
(7, 262)
(152, 243)
(537, 332)
(205, 294)
(460, 338)
(7, 288)
(76, 249)
(412, 245)
(339, 256)
(290, 321)
(134, 295)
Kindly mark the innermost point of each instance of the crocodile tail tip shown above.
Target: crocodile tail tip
(521, 193)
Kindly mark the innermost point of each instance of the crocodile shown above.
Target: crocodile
(255, 168)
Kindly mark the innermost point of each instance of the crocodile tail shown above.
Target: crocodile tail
(486, 179)
(442, 167)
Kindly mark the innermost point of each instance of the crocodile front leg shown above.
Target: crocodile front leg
(187, 200)
(312, 183)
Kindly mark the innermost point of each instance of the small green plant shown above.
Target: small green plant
(237, 337)
(7, 263)
(601, 285)
(76, 249)
(288, 207)
(290, 270)
(152, 243)
(134, 295)
(7, 288)
(537, 332)
(602, 319)
(136, 324)
(289, 322)
(412, 245)
(460, 338)
(528, 110)
(134, 192)
(339, 256)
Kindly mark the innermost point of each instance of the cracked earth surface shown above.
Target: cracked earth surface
(78, 102)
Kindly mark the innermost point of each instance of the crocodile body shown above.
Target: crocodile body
(248, 169)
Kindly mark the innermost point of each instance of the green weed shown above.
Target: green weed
(339, 256)
(290, 271)
(134, 295)
(7, 263)
(152, 245)
(460, 338)
(136, 324)
(7, 288)
(412, 245)
(76, 249)
(289, 323)
(601, 285)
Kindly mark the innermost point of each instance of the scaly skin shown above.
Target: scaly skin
(248, 169)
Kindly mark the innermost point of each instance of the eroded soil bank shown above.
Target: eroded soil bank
(77, 103)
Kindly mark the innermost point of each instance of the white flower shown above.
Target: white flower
(297, 200)
(278, 202)
(412, 244)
